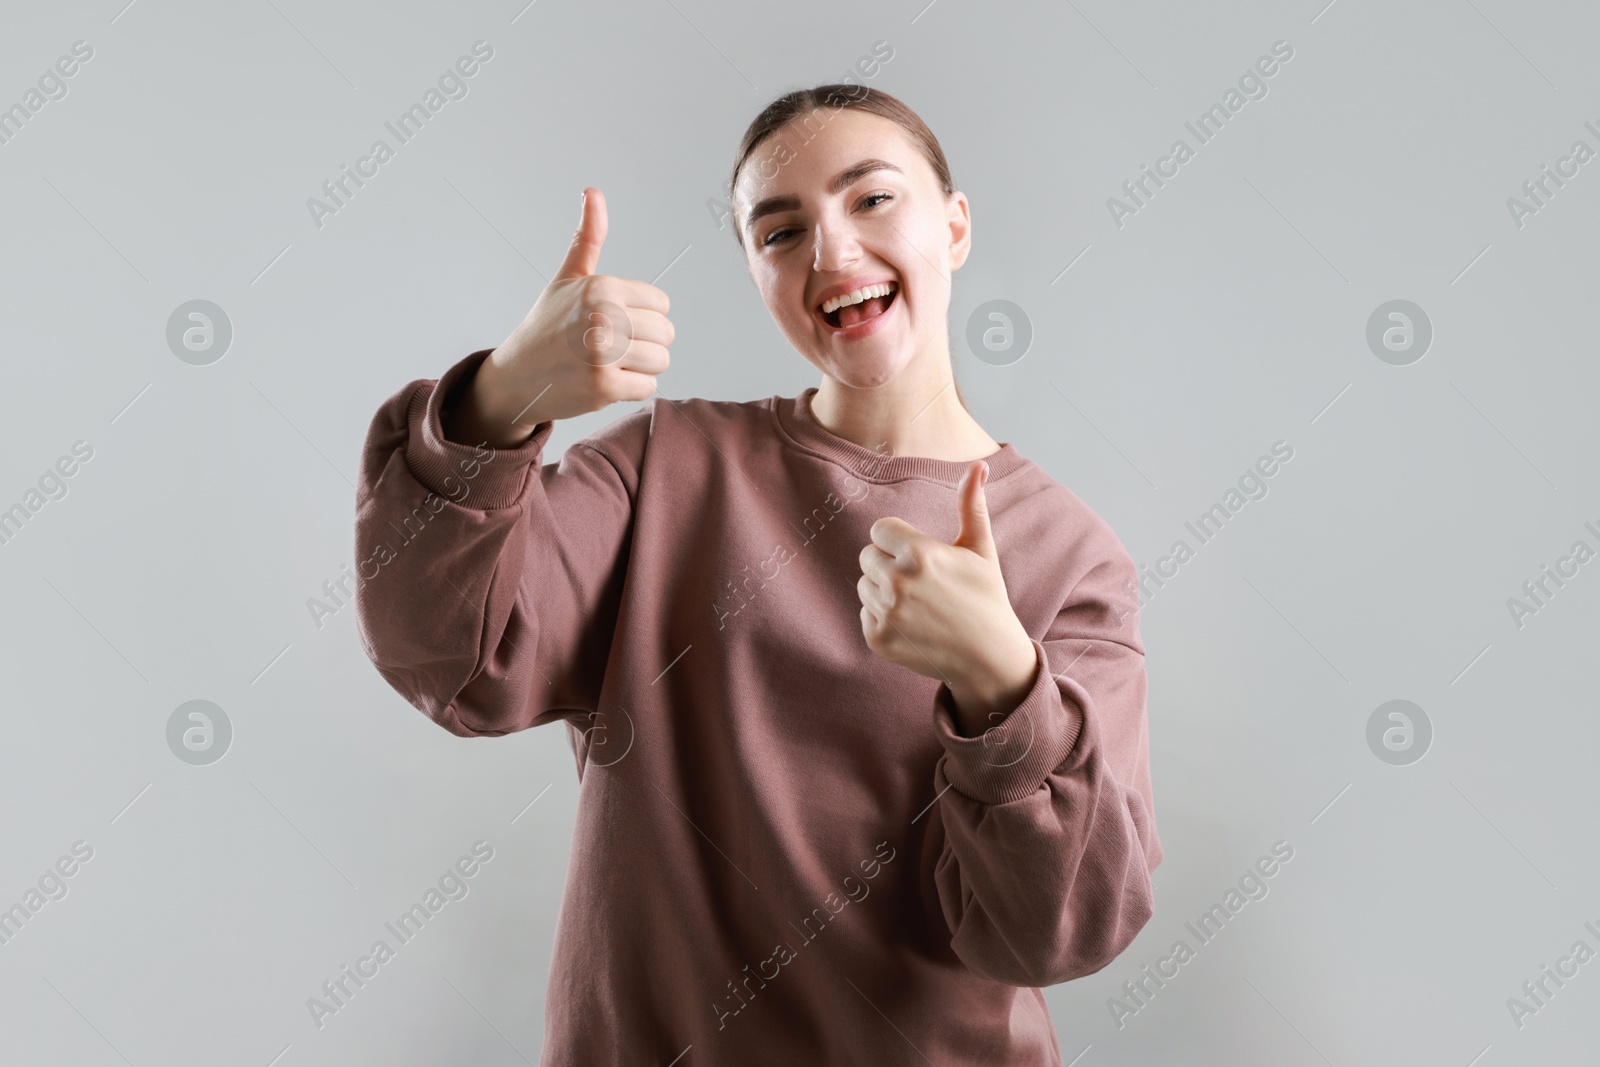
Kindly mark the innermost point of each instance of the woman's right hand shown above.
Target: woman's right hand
(589, 341)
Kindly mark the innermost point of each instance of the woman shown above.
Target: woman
(813, 826)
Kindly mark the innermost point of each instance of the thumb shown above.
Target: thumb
(975, 533)
(583, 257)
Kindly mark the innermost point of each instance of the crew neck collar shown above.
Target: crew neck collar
(796, 422)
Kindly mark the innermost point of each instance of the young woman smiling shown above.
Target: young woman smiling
(959, 743)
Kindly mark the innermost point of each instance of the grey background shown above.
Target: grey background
(1228, 314)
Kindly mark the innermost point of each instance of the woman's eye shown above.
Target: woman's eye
(870, 200)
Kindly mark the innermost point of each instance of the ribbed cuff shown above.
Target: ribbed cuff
(474, 476)
(1012, 758)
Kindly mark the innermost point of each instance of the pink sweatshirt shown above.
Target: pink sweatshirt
(785, 853)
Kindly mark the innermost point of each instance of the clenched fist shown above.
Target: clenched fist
(943, 611)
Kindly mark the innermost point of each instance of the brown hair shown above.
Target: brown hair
(836, 97)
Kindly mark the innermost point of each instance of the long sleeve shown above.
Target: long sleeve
(489, 584)
(1049, 820)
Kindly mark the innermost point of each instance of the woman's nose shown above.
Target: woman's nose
(835, 246)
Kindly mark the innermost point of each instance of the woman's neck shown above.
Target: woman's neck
(913, 415)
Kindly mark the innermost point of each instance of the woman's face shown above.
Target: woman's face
(891, 225)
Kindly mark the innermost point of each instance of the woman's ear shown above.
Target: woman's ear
(960, 229)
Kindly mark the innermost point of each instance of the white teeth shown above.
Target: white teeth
(856, 297)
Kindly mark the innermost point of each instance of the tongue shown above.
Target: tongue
(867, 309)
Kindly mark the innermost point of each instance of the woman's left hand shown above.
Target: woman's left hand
(942, 610)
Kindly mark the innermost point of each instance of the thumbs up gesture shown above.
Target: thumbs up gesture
(942, 610)
(589, 341)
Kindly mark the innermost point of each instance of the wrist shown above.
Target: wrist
(981, 699)
(472, 416)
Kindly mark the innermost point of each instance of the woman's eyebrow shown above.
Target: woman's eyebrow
(841, 181)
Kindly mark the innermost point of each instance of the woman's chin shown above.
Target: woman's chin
(863, 372)
(861, 378)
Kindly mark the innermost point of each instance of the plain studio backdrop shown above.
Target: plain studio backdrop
(1439, 860)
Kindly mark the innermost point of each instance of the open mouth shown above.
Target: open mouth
(843, 318)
